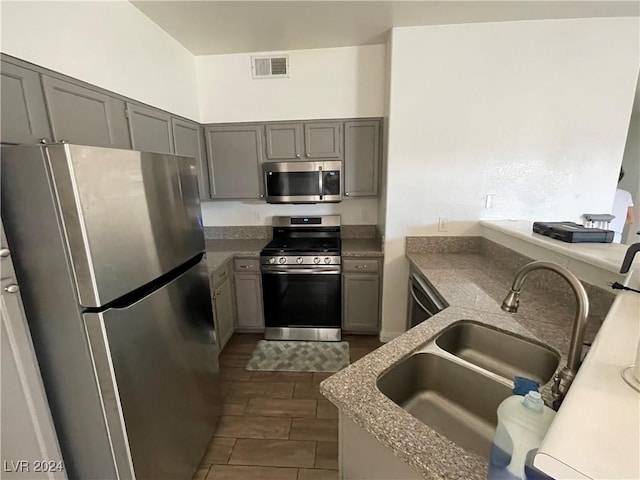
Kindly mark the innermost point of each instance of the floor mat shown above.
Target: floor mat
(296, 356)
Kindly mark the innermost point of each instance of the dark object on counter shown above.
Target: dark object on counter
(571, 232)
(522, 386)
(628, 258)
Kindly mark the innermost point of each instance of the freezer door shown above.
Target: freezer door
(157, 364)
(128, 217)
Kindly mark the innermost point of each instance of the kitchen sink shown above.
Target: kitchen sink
(499, 352)
(453, 399)
(455, 383)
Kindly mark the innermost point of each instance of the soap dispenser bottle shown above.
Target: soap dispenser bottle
(522, 424)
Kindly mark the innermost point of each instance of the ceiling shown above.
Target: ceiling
(212, 27)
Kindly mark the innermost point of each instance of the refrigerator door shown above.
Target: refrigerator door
(128, 217)
(157, 364)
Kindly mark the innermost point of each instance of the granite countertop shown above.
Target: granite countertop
(219, 251)
(361, 247)
(474, 288)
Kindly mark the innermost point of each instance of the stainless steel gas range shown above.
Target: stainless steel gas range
(301, 279)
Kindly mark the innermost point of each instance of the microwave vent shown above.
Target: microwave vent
(270, 66)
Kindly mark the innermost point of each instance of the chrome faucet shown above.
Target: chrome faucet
(628, 258)
(564, 378)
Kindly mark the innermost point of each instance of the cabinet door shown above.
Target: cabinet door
(361, 158)
(24, 115)
(249, 302)
(27, 429)
(360, 303)
(284, 141)
(83, 116)
(223, 308)
(322, 140)
(188, 139)
(150, 129)
(234, 155)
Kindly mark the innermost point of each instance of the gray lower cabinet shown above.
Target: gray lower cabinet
(83, 116)
(283, 141)
(361, 296)
(323, 140)
(150, 129)
(235, 154)
(188, 139)
(222, 298)
(361, 158)
(248, 287)
(24, 114)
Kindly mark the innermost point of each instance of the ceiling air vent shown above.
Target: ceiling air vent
(270, 66)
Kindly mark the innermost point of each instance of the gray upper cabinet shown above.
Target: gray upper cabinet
(322, 139)
(80, 115)
(361, 158)
(188, 139)
(150, 129)
(24, 115)
(235, 154)
(284, 141)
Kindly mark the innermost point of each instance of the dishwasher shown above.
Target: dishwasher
(424, 301)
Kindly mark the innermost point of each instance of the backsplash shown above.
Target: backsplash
(250, 232)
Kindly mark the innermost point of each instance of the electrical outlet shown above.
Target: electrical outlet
(443, 224)
(489, 200)
(256, 216)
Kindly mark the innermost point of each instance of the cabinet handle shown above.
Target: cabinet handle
(4, 252)
(346, 194)
(246, 266)
(43, 141)
(307, 155)
(297, 155)
(360, 267)
(13, 288)
(261, 196)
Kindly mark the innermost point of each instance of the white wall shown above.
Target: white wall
(323, 83)
(234, 213)
(631, 180)
(108, 44)
(535, 112)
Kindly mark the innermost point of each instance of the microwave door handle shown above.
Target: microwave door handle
(320, 181)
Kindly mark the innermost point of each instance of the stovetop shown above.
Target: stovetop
(325, 246)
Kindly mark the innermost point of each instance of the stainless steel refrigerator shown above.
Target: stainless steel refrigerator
(108, 247)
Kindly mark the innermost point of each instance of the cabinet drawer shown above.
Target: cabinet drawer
(360, 265)
(220, 275)
(246, 265)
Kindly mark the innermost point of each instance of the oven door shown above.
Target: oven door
(301, 297)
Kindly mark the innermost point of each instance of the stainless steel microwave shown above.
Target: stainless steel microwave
(303, 182)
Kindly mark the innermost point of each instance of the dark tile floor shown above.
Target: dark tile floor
(274, 425)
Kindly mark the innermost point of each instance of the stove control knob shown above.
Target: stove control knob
(282, 260)
(327, 260)
(299, 260)
(316, 260)
(272, 260)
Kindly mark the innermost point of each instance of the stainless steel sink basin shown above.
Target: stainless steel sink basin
(453, 399)
(499, 352)
(455, 382)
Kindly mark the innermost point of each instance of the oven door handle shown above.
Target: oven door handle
(286, 271)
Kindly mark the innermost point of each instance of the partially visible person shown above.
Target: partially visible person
(622, 209)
